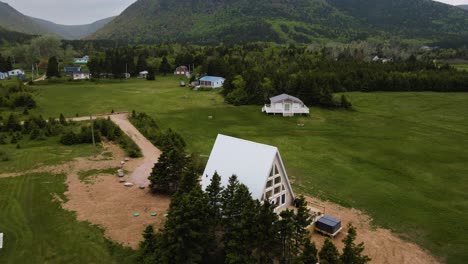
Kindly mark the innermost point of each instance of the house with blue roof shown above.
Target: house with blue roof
(212, 82)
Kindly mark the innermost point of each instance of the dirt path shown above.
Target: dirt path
(383, 246)
(150, 153)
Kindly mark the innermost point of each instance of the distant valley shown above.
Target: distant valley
(12, 20)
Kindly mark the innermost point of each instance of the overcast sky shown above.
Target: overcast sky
(74, 12)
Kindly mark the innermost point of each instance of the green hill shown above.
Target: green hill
(237, 21)
(13, 20)
(12, 37)
(463, 7)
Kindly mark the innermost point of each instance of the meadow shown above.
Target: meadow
(38, 230)
(398, 156)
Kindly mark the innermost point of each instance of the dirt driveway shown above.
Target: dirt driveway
(150, 153)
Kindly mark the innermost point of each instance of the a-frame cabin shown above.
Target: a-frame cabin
(256, 165)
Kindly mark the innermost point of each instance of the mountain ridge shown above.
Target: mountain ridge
(236, 21)
(13, 20)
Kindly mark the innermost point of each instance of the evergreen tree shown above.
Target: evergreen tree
(151, 76)
(352, 253)
(184, 238)
(52, 68)
(141, 64)
(148, 247)
(168, 170)
(165, 67)
(214, 192)
(309, 253)
(62, 119)
(329, 253)
(286, 229)
(267, 247)
(302, 220)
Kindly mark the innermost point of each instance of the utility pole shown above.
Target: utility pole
(92, 129)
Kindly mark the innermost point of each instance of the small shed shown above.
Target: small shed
(328, 225)
(143, 74)
(212, 82)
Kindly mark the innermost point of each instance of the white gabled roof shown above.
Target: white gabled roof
(251, 162)
(282, 97)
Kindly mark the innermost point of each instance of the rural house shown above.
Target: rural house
(81, 75)
(212, 82)
(16, 72)
(256, 165)
(182, 71)
(3, 75)
(69, 70)
(83, 60)
(286, 105)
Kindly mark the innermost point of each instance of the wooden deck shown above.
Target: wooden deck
(300, 111)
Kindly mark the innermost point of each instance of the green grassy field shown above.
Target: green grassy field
(37, 230)
(463, 67)
(401, 157)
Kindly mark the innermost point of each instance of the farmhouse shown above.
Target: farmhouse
(182, 71)
(83, 60)
(81, 75)
(3, 75)
(256, 165)
(286, 105)
(16, 72)
(70, 70)
(212, 82)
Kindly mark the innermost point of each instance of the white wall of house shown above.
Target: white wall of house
(80, 76)
(15, 72)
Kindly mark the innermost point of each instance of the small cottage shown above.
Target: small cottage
(286, 105)
(212, 82)
(182, 71)
(3, 75)
(70, 70)
(256, 165)
(16, 72)
(81, 75)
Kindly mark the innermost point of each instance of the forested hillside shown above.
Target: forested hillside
(11, 37)
(463, 7)
(300, 21)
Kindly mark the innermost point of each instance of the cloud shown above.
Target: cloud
(70, 12)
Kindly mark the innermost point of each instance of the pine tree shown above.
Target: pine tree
(309, 253)
(286, 229)
(185, 235)
(267, 247)
(62, 119)
(352, 253)
(52, 68)
(329, 253)
(165, 67)
(214, 192)
(302, 220)
(168, 171)
(151, 74)
(148, 247)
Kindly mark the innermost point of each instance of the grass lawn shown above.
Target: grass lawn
(36, 153)
(463, 67)
(401, 157)
(37, 230)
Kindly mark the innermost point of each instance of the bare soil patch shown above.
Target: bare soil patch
(382, 245)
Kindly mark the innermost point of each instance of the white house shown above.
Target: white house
(3, 75)
(212, 82)
(286, 105)
(83, 60)
(256, 165)
(81, 75)
(16, 72)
